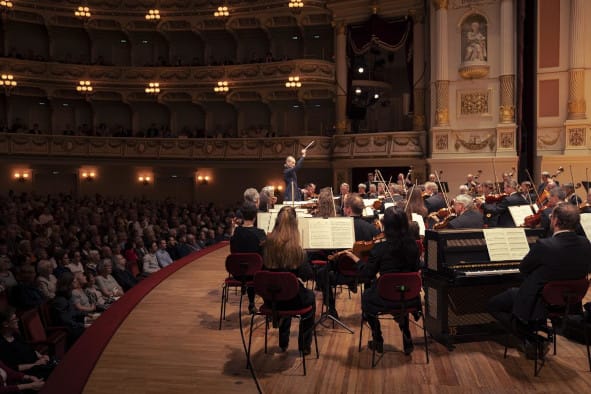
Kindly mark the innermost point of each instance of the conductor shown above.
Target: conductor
(292, 191)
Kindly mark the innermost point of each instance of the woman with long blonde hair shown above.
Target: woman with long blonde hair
(283, 252)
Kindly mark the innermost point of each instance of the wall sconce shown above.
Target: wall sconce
(293, 82)
(21, 176)
(88, 175)
(7, 82)
(144, 179)
(84, 87)
(222, 87)
(203, 180)
(5, 5)
(222, 12)
(296, 5)
(153, 15)
(82, 12)
(153, 88)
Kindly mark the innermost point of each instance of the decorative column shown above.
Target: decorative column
(341, 77)
(576, 124)
(507, 63)
(419, 71)
(576, 72)
(441, 64)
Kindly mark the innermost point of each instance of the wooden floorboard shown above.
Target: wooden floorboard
(170, 343)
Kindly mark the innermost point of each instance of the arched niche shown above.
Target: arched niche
(30, 113)
(71, 117)
(220, 47)
(27, 41)
(70, 45)
(221, 119)
(187, 119)
(186, 48)
(114, 115)
(252, 45)
(110, 47)
(148, 48)
(151, 119)
(253, 117)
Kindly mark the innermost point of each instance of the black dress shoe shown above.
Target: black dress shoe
(353, 288)
(407, 344)
(307, 351)
(378, 346)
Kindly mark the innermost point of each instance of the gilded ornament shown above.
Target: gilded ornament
(576, 136)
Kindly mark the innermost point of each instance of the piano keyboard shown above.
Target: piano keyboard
(490, 272)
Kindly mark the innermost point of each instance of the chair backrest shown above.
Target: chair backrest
(346, 266)
(399, 286)
(243, 265)
(564, 292)
(276, 286)
(33, 326)
(132, 267)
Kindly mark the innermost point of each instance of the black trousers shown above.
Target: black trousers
(501, 308)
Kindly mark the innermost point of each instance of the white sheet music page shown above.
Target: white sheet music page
(329, 233)
(519, 213)
(586, 224)
(420, 221)
(505, 244)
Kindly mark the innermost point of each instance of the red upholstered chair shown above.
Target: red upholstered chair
(50, 341)
(133, 268)
(404, 289)
(561, 298)
(273, 288)
(241, 267)
(347, 269)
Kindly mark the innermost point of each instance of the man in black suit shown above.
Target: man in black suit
(501, 209)
(564, 256)
(467, 214)
(557, 196)
(436, 201)
(571, 195)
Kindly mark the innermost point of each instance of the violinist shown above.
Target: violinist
(364, 231)
(326, 206)
(467, 214)
(398, 253)
(571, 195)
(395, 194)
(373, 191)
(501, 208)
(309, 191)
(362, 190)
(471, 184)
(528, 192)
(557, 196)
(267, 198)
(436, 201)
(463, 189)
(343, 192)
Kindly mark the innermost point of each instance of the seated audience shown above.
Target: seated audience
(125, 278)
(45, 280)
(12, 381)
(105, 281)
(64, 312)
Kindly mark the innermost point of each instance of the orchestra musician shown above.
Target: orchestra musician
(432, 177)
(528, 192)
(292, 191)
(267, 198)
(564, 256)
(309, 191)
(586, 206)
(364, 231)
(546, 178)
(373, 191)
(398, 253)
(470, 182)
(468, 215)
(362, 189)
(435, 201)
(344, 191)
(571, 196)
(326, 205)
(557, 196)
(370, 180)
(501, 209)
(283, 253)
(463, 189)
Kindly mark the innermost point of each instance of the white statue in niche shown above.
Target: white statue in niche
(475, 42)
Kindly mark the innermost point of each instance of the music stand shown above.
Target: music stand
(326, 315)
(586, 185)
(443, 187)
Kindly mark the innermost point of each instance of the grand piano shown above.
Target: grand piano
(459, 278)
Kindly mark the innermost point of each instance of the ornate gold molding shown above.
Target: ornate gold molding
(474, 71)
(440, 4)
(418, 119)
(442, 103)
(577, 105)
(507, 108)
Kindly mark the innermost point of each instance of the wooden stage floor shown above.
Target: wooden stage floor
(170, 343)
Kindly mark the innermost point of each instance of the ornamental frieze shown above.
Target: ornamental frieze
(576, 136)
(549, 138)
(475, 142)
(473, 103)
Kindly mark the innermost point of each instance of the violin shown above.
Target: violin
(543, 198)
(445, 222)
(533, 221)
(360, 248)
(493, 198)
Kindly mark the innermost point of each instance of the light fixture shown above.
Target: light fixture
(153, 15)
(21, 176)
(357, 90)
(222, 87)
(84, 87)
(7, 81)
(203, 180)
(145, 179)
(88, 175)
(293, 82)
(376, 96)
(153, 88)
(360, 70)
(6, 5)
(295, 4)
(82, 12)
(222, 12)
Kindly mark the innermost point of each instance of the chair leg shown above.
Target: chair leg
(266, 331)
(223, 306)
(426, 339)
(554, 337)
(360, 333)
(586, 334)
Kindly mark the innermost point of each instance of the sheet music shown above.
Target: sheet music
(519, 213)
(266, 220)
(415, 217)
(368, 204)
(327, 233)
(506, 243)
(586, 224)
